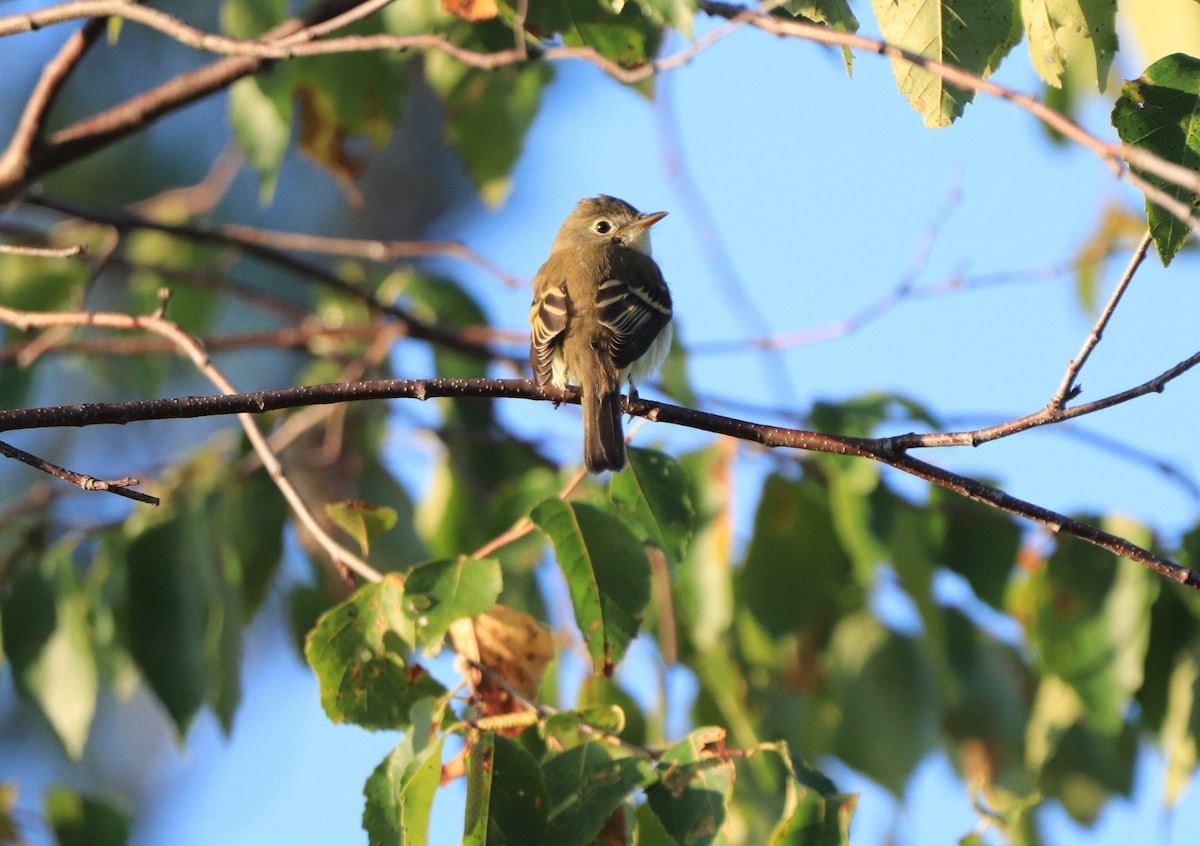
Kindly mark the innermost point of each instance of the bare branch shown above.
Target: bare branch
(45, 252)
(341, 556)
(120, 487)
(371, 250)
(1068, 390)
(248, 56)
(213, 233)
(888, 451)
(124, 119)
(15, 159)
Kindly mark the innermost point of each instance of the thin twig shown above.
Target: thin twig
(15, 159)
(193, 351)
(279, 46)
(371, 250)
(45, 252)
(120, 487)
(1068, 390)
(202, 197)
(415, 327)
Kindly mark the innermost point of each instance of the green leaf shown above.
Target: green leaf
(1057, 27)
(597, 691)
(400, 791)
(355, 650)
(883, 686)
(607, 573)
(811, 819)
(835, 14)
(970, 34)
(440, 592)
(622, 32)
(488, 113)
(172, 595)
(46, 636)
(506, 794)
(256, 516)
(796, 571)
(695, 783)
(262, 127)
(585, 786)
(655, 489)
(361, 520)
(1091, 627)
(1160, 112)
(81, 820)
(570, 728)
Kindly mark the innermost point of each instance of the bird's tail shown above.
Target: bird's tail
(603, 440)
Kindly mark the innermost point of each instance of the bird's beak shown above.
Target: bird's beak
(648, 220)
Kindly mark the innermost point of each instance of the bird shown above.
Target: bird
(601, 317)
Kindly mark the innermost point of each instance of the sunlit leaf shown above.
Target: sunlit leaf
(262, 125)
(46, 636)
(1160, 112)
(439, 592)
(1181, 726)
(1091, 627)
(361, 520)
(694, 787)
(704, 584)
(357, 651)
(1058, 29)
(399, 793)
(969, 34)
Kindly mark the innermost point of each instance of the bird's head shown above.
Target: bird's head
(601, 219)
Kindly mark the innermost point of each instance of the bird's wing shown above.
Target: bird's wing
(548, 319)
(633, 304)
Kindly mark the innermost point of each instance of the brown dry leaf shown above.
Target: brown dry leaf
(325, 141)
(511, 644)
(472, 10)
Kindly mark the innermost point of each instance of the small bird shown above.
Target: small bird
(601, 316)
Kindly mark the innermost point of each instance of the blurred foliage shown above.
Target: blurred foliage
(786, 633)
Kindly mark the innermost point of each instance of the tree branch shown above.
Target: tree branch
(14, 162)
(340, 556)
(885, 450)
(246, 239)
(124, 119)
(120, 487)
(1068, 390)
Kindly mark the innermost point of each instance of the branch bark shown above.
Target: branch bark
(888, 451)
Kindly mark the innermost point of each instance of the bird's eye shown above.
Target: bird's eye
(602, 226)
